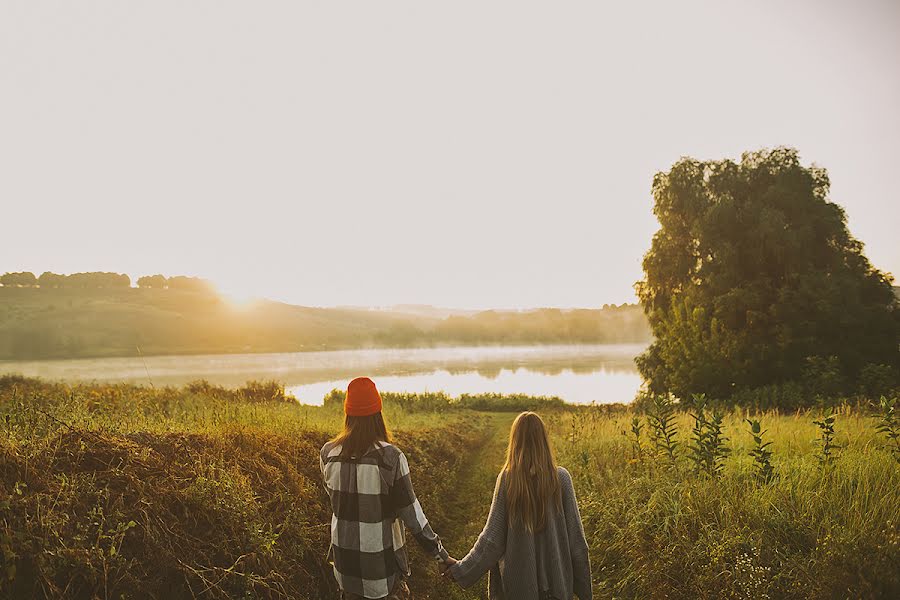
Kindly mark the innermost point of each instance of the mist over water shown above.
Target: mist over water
(578, 374)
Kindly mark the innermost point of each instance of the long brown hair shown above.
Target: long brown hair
(360, 433)
(532, 481)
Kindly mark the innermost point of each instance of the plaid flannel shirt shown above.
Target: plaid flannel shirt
(372, 498)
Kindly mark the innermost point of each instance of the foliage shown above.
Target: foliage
(878, 380)
(24, 279)
(127, 491)
(441, 402)
(663, 431)
(49, 280)
(753, 278)
(827, 445)
(152, 281)
(611, 324)
(663, 533)
(708, 450)
(889, 425)
(94, 280)
(252, 391)
(822, 377)
(225, 499)
(637, 447)
(762, 456)
(786, 396)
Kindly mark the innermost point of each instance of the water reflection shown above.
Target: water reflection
(582, 387)
(602, 373)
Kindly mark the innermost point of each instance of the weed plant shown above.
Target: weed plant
(663, 431)
(763, 471)
(889, 425)
(707, 449)
(827, 445)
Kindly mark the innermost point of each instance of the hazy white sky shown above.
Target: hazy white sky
(476, 154)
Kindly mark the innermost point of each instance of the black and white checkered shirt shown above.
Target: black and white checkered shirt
(372, 498)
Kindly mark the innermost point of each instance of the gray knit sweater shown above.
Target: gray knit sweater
(529, 566)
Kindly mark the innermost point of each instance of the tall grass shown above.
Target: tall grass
(207, 492)
(673, 533)
(119, 491)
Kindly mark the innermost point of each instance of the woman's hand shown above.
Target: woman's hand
(445, 567)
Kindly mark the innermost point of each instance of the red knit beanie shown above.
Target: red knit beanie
(362, 399)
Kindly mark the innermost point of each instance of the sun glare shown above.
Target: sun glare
(238, 298)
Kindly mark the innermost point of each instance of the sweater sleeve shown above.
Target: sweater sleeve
(410, 511)
(490, 546)
(578, 548)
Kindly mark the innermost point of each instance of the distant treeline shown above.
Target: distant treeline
(98, 280)
(79, 321)
(176, 282)
(611, 324)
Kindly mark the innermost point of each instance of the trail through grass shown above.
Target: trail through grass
(465, 511)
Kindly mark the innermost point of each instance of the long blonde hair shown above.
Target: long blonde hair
(532, 481)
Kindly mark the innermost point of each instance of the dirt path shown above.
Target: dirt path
(467, 509)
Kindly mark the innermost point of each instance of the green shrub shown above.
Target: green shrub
(823, 377)
(877, 380)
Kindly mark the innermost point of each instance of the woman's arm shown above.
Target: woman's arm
(491, 544)
(410, 512)
(578, 548)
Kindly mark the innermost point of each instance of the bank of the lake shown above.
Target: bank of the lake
(581, 374)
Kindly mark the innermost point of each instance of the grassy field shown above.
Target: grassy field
(133, 492)
(658, 530)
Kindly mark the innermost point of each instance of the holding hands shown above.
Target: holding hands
(445, 567)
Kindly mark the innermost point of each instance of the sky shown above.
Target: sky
(466, 154)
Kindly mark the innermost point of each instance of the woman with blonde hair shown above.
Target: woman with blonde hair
(533, 542)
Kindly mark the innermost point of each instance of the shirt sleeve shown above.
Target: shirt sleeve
(404, 500)
(490, 546)
(323, 454)
(581, 564)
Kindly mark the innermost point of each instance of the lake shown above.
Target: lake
(579, 374)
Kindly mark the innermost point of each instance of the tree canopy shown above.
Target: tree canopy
(24, 279)
(152, 281)
(753, 278)
(99, 280)
(83, 280)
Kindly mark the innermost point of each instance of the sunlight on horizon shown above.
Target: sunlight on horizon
(400, 154)
(237, 297)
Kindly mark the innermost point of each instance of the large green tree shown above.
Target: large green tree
(753, 277)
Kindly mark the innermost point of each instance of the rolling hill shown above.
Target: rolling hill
(38, 323)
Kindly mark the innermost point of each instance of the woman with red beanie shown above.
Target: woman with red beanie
(372, 497)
